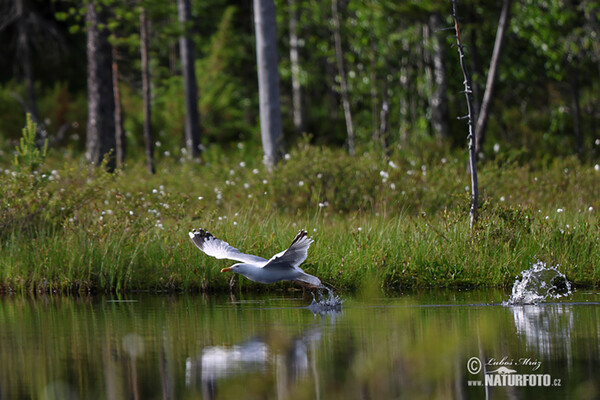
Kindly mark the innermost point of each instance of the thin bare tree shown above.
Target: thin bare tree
(471, 136)
(484, 112)
(339, 56)
(190, 85)
(146, 91)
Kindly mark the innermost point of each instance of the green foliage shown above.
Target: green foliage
(225, 103)
(28, 155)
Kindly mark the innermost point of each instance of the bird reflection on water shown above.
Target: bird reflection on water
(290, 357)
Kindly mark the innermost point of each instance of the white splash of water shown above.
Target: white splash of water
(325, 302)
(538, 284)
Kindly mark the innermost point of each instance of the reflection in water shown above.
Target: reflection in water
(290, 359)
(193, 347)
(546, 328)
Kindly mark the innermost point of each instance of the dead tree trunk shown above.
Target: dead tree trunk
(339, 56)
(190, 85)
(268, 81)
(469, 117)
(484, 112)
(146, 91)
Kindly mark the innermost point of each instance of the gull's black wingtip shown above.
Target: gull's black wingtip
(199, 235)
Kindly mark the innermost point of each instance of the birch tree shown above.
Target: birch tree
(268, 81)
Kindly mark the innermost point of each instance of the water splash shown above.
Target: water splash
(538, 284)
(325, 301)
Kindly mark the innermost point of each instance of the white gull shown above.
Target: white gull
(283, 266)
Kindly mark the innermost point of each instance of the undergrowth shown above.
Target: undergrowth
(396, 223)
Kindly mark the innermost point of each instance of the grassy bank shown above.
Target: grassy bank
(397, 224)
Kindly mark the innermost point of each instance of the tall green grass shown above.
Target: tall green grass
(398, 223)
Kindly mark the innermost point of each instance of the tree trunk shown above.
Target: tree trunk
(120, 140)
(383, 121)
(475, 72)
(576, 112)
(471, 136)
(24, 56)
(268, 81)
(190, 86)
(486, 103)
(438, 98)
(374, 95)
(339, 56)
(297, 106)
(146, 91)
(101, 102)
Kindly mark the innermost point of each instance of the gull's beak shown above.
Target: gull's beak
(226, 269)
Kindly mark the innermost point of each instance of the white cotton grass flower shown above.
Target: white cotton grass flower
(559, 210)
(496, 147)
(242, 164)
(590, 208)
(300, 183)
(597, 167)
(392, 165)
(255, 171)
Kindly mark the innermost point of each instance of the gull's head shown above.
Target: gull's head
(234, 268)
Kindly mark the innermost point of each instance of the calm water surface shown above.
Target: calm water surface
(433, 344)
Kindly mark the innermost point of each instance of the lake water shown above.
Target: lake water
(432, 344)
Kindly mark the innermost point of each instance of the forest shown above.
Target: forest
(384, 73)
(144, 119)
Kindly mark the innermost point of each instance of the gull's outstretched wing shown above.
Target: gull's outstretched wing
(217, 248)
(294, 255)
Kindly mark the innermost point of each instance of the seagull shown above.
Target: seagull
(283, 266)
